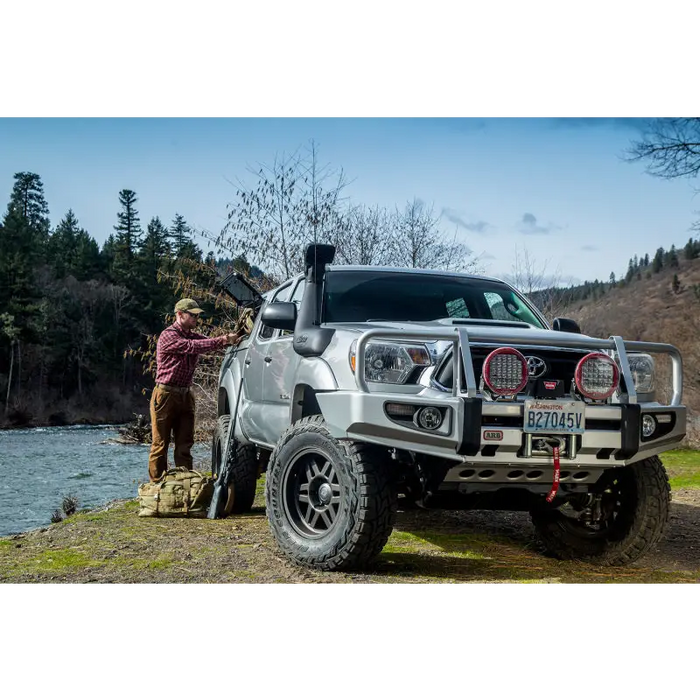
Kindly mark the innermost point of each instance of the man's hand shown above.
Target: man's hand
(234, 338)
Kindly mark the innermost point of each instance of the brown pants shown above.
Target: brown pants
(171, 411)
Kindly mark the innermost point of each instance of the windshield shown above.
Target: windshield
(370, 295)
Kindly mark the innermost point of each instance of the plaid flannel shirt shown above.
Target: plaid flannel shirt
(177, 354)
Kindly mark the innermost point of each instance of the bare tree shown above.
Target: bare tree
(94, 298)
(119, 296)
(11, 332)
(543, 289)
(293, 202)
(418, 241)
(671, 148)
(364, 237)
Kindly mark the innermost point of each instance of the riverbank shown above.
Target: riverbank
(114, 545)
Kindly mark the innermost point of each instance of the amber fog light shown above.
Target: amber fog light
(648, 425)
(429, 418)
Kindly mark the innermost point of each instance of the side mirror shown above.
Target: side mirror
(280, 314)
(567, 325)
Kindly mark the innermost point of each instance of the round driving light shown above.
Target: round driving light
(429, 418)
(505, 372)
(597, 376)
(648, 425)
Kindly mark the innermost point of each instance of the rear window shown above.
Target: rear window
(358, 296)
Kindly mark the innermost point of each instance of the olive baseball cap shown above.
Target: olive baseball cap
(189, 305)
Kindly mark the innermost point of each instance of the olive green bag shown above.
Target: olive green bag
(179, 493)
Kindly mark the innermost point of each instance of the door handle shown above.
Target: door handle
(268, 359)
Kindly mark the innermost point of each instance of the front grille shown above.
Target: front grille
(561, 364)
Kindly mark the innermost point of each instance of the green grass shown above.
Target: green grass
(683, 467)
(57, 560)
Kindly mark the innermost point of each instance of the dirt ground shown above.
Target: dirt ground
(115, 546)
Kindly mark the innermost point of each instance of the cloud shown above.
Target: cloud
(529, 226)
(478, 227)
(455, 217)
(590, 248)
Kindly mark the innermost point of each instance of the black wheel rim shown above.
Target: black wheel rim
(618, 500)
(311, 493)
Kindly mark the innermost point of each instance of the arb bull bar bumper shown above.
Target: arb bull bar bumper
(488, 435)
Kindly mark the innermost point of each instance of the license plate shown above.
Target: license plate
(554, 417)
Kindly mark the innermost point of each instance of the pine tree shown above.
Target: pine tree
(28, 198)
(646, 260)
(630, 272)
(676, 284)
(108, 251)
(23, 241)
(86, 263)
(179, 235)
(61, 245)
(673, 261)
(658, 263)
(128, 239)
(689, 250)
(612, 279)
(152, 258)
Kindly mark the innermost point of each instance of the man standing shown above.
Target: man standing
(172, 401)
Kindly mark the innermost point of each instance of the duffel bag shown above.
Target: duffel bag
(179, 493)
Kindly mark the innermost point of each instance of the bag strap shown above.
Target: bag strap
(186, 483)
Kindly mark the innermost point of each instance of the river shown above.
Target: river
(39, 466)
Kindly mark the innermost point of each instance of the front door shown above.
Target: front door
(253, 414)
(281, 364)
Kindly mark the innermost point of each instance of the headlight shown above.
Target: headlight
(642, 368)
(391, 363)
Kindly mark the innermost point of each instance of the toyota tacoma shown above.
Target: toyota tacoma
(362, 386)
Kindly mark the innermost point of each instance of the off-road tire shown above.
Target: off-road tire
(360, 514)
(643, 510)
(244, 473)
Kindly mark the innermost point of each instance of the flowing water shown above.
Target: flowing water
(39, 466)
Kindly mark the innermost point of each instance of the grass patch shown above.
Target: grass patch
(132, 564)
(6, 544)
(683, 467)
(462, 546)
(56, 560)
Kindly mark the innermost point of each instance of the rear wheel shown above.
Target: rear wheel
(331, 504)
(616, 525)
(242, 459)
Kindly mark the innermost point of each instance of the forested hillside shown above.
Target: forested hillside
(660, 302)
(75, 318)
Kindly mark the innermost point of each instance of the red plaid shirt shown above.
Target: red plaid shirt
(177, 353)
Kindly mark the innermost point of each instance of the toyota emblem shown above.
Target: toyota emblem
(536, 367)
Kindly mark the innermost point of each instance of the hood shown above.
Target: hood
(488, 332)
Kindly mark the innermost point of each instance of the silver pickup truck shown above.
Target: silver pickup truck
(362, 386)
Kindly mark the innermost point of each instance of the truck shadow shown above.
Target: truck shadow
(502, 546)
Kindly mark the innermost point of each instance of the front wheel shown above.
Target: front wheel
(617, 524)
(331, 504)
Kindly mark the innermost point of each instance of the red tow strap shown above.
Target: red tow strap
(555, 484)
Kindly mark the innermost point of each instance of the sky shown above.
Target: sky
(558, 188)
